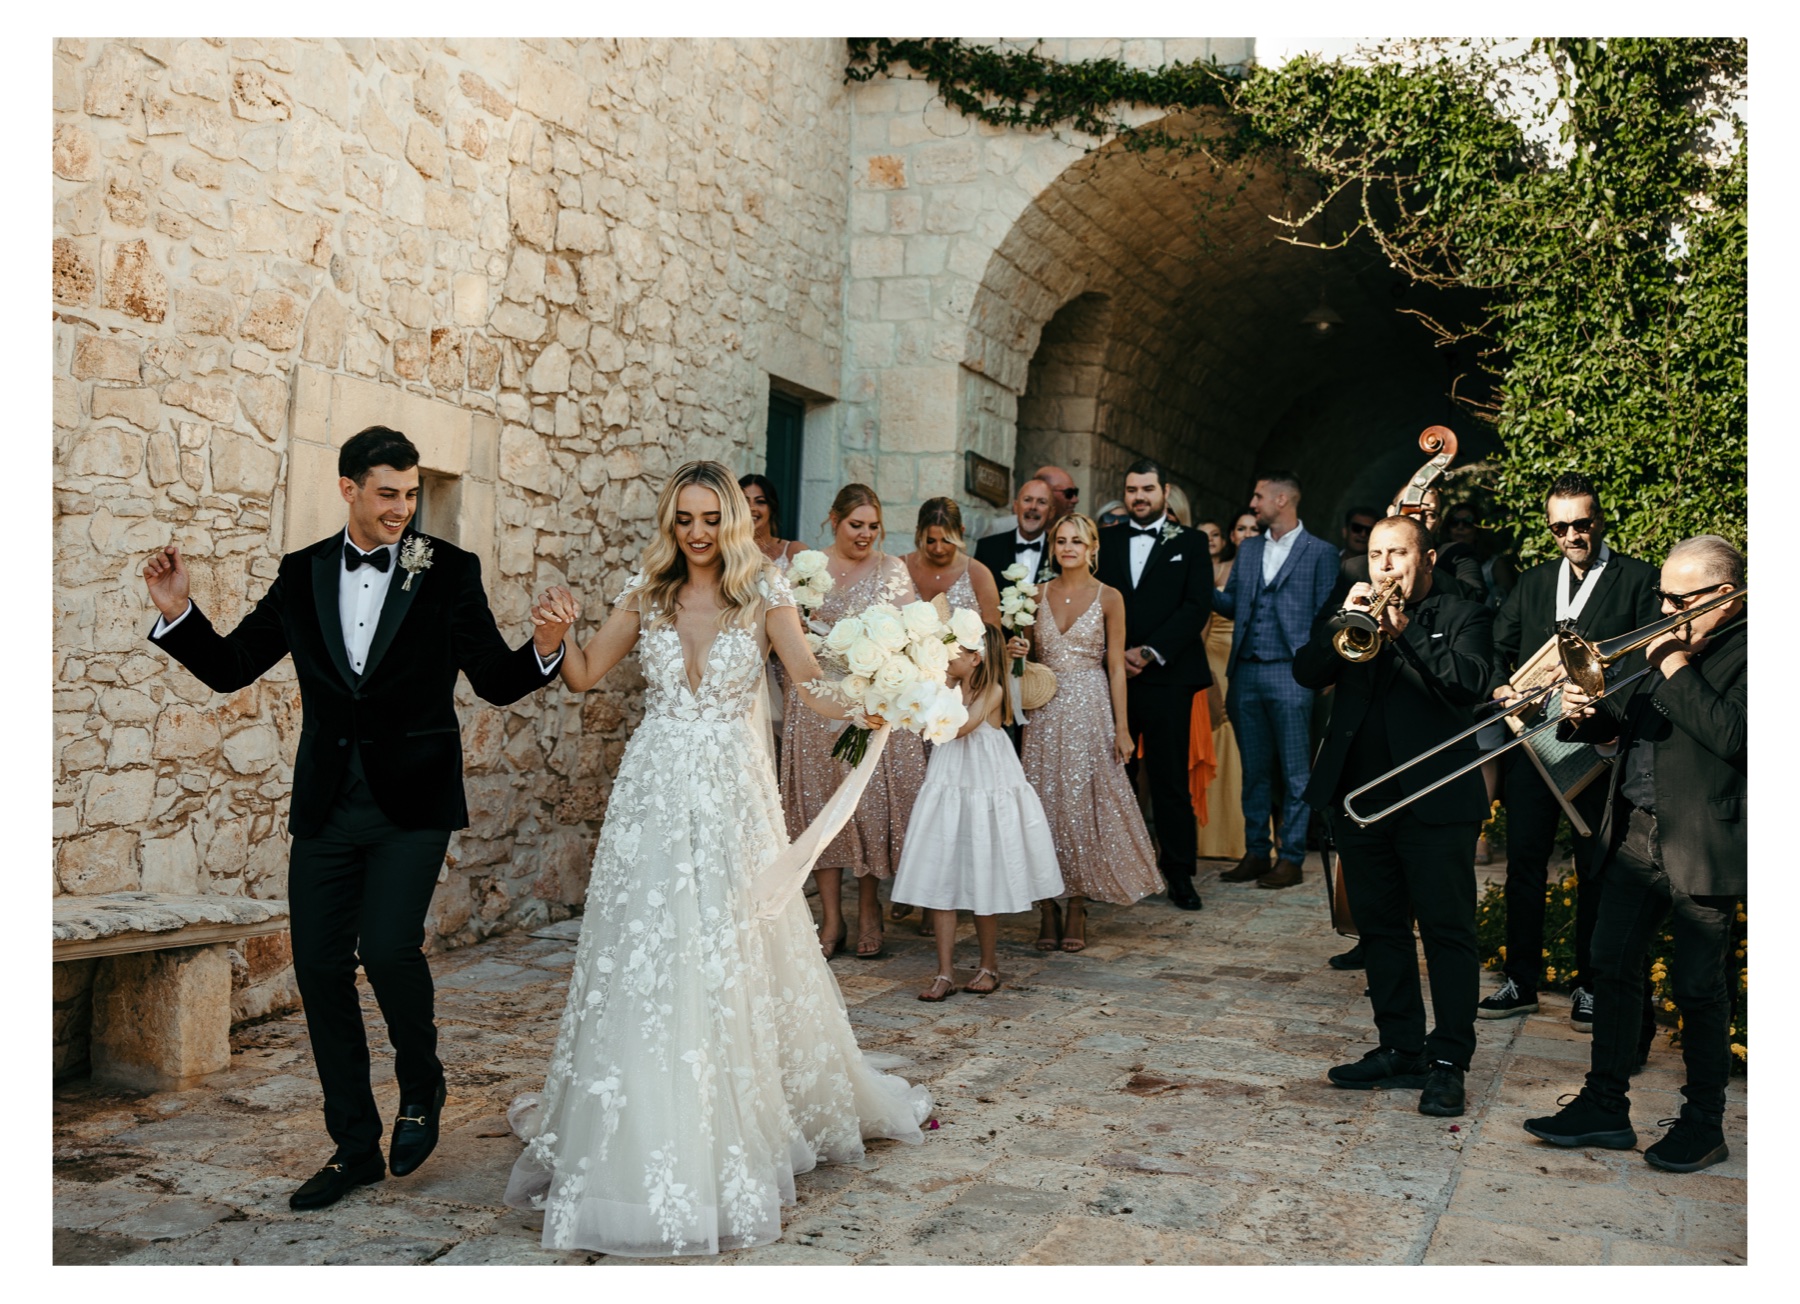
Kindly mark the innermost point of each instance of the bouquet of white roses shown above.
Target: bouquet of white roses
(1018, 605)
(809, 576)
(893, 661)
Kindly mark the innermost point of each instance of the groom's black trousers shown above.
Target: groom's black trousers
(358, 891)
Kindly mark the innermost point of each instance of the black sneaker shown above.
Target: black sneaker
(1443, 1093)
(1379, 1070)
(1690, 1144)
(1508, 1001)
(1581, 1010)
(1583, 1122)
(1351, 959)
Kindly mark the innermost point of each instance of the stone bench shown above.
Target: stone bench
(162, 985)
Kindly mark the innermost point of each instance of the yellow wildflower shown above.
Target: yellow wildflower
(1741, 1051)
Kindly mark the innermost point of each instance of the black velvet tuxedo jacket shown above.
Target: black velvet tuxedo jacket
(400, 713)
(1171, 604)
(1424, 683)
(1623, 599)
(1699, 723)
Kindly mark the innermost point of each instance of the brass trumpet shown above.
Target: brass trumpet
(1358, 636)
(1584, 664)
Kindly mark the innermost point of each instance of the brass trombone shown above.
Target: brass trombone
(1358, 636)
(1584, 663)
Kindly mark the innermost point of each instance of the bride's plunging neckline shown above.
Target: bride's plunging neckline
(687, 674)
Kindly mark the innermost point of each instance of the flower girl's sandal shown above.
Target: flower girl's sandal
(993, 983)
(933, 993)
(898, 910)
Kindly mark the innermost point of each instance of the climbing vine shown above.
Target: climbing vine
(1591, 193)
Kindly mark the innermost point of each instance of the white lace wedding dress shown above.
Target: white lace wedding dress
(704, 1056)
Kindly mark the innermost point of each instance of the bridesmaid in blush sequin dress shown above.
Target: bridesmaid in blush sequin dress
(870, 843)
(1075, 747)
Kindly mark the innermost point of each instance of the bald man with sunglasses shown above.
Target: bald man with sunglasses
(1605, 594)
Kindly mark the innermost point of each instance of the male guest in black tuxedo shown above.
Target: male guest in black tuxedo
(1028, 541)
(1419, 863)
(1673, 845)
(1604, 594)
(1164, 571)
(378, 777)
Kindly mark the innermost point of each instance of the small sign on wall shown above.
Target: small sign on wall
(987, 480)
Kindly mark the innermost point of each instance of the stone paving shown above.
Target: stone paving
(1157, 1099)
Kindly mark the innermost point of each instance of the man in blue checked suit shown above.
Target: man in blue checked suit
(1279, 583)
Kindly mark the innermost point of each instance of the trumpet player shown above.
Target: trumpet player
(1430, 663)
(1672, 844)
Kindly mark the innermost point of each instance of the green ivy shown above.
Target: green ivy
(1602, 223)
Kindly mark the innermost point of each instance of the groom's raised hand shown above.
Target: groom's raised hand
(167, 580)
(553, 615)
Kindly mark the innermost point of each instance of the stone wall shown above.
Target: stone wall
(582, 260)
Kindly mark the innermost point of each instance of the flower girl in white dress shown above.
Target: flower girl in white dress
(978, 839)
(704, 1055)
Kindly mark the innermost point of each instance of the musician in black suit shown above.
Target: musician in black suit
(1673, 845)
(379, 620)
(1164, 571)
(1027, 542)
(1419, 862)
(1605, 594)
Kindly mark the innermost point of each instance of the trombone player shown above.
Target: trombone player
(1672, 843)
(1401, 690)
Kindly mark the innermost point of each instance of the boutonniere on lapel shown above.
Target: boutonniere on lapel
(1169, 530)
(415, 556)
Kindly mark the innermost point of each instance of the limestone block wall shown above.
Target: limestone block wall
(566, 266)
(934, 197)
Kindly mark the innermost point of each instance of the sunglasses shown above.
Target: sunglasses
(1583, 526)
(1357, 527)
(1462, 522)
(1680, 601)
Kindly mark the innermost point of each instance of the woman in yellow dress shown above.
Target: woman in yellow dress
(1222, 829)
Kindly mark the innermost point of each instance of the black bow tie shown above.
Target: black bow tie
(1146, 529)
(354, 557)
(1022, 545)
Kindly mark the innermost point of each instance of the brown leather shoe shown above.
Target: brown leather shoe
(1285, 874)
(1251, 866)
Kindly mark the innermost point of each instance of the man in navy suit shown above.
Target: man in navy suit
(1279, 583)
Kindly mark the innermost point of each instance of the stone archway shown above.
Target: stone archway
(1145, 305)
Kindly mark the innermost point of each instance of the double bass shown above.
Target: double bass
(1440, 443)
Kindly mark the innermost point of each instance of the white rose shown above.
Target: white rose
(1027, 588)
(846, 632)
(883, 625)
(931, 657)
(967, 627)
(1011, 601)
(807, 564)
(920, 618)
(853, 688)
(945, 716)
(814, 642)
(895, 674)
(1025, 618)
(864, 657)
(1016, 571)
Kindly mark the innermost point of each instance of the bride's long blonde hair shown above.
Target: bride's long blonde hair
(741, 562)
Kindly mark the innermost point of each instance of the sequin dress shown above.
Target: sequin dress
(871, 841)
(1102, 846)
(961, 595)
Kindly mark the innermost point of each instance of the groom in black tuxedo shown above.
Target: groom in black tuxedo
(379, 619)
(1164, 571)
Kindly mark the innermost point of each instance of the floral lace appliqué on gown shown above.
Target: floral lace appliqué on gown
(704, 1057)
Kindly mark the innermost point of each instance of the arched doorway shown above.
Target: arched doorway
(1146, 305)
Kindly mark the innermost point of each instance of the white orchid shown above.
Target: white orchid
(945, 716)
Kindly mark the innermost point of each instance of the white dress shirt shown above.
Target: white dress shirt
(361, 593)
(1029, 551)
(1142, 543)
(1275, 551)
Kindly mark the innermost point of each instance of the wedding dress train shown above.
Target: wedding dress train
(704, 1056)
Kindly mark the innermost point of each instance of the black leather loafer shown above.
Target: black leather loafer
(338, 1178)
(415, 1134)
(1181, 892)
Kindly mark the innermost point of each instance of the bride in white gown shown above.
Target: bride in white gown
(704, 1056)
